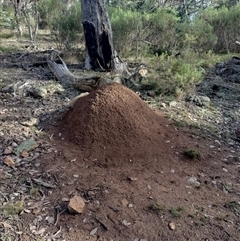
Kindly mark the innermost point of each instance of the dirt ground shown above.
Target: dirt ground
(143, 174)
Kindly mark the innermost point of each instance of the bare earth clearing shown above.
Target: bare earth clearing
(128, 162)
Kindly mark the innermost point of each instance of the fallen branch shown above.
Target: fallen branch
(63, 75)
(89, 83)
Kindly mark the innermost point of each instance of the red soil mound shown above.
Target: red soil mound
(114, 123)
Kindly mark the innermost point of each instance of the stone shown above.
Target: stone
(193, 180)
(9, 161)
(16, 88)
(173, 103)
(24, 154)
(76, 204)
(2, 174)
(31, 122)
(133, 178)
(172, 226)
(94, 231)
(198, 100)
(126, 223)
(50, 220)
(38, 92)
(7, 151)
(124, 202)
(225, 169)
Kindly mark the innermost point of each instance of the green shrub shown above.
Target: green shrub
(6, 18)
(198, 35)
(225, 23)
(192, 154)
(64, 23)
(67, 27)
(176, 75)
(161, 29)
(125, 26)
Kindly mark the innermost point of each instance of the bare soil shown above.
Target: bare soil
(142, 175)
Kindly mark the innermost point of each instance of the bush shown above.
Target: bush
(144, 33)
(225, 23)
(6, 18)
(64, 23)
(176, 75)
(126, 25)
(67, 27)
(198, 35)
(161, 29)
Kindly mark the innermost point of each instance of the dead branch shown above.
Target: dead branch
(92, 82)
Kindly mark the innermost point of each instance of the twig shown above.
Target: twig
(113, 208)
(4, 196)
(41, 183)
(103, 224)
(58, 215)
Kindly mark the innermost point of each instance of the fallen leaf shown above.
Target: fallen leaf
(9, 161)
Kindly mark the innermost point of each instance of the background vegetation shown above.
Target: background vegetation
(180, 39)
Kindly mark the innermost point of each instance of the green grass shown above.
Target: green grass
(157, 207)
(176, 212)
(192, 154)
(9, 49)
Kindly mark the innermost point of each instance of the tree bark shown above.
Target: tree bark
(100, 52)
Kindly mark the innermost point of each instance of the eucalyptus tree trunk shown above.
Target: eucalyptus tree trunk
(100, 52)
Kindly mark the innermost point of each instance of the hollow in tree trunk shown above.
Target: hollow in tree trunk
(100, 52)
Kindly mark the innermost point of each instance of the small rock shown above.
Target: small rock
(2, 174)
(32, 227)
(94, 231)
(9, 161)
(173, 103)
(124, 202)
(91, 194)
(172, 226)
(40, 231)
(96, 203)
(8, 151)
(130, 205)
(50, 220)
(198, 100)
(31, 122)
(163, 105)
(218, 142)
(36, 211)
(133, 178)
(225, 190)
(193, 180)
(24, 154)
(76, 205)
(38, 92)
(214, 182)
(225, 169)
(126, 223)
